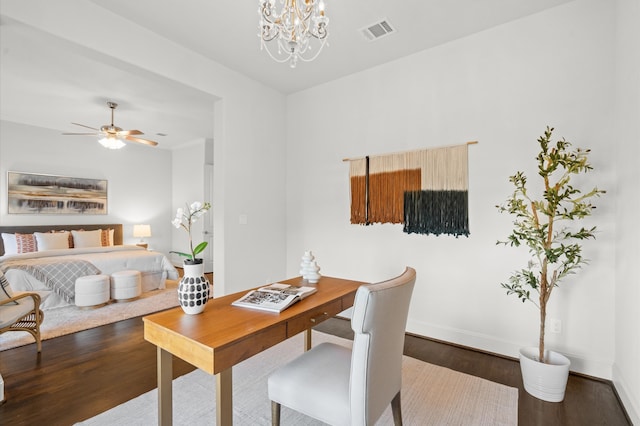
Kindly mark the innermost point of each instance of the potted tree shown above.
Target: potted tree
(545, 225)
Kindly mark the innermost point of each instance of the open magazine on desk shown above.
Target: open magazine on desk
(274, 297)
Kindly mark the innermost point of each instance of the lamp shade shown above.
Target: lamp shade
(141, 231)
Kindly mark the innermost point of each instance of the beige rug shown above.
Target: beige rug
(70, 319)
(431, 395)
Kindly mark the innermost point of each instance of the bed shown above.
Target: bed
(53, 266)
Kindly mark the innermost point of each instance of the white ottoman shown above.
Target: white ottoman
(92, 291)
(126, 285)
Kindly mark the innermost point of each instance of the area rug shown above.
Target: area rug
(70, 319)
(431, 395)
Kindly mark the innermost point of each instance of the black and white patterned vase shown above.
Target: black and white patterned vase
(194, 290)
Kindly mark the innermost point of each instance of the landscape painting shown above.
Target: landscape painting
(50, 194)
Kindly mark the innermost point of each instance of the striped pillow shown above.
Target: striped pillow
(106, 238)
(6, 289)
(26, 243)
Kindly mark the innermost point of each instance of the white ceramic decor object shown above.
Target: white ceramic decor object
(194, 289)
(309, 269)
(312, 275)
(306, 260)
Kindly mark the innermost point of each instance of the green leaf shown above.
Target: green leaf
(179, 253)
(200, 248)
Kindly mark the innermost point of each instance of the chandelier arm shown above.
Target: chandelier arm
(303, 59)
(267, 36)
(304, 15)
(320, 32)
(278, 60)
(266, 14)
(289, 55)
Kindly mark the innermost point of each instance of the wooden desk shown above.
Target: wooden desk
(224, 335)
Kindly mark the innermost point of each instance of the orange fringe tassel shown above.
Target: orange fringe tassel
(386, 196)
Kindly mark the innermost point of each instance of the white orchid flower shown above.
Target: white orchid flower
(184, 220)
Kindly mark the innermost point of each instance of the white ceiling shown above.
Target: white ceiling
(48, 82)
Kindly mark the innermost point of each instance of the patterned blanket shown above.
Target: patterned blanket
(58, 275)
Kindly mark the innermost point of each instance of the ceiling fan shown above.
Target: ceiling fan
(112, 136)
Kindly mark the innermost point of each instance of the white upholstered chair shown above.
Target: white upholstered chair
(342, 386)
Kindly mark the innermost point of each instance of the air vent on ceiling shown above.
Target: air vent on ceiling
(377, 30)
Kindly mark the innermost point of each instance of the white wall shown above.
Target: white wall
(500, 87)
(138, 178)
(626, 370)
(187, 186)
(248, 124)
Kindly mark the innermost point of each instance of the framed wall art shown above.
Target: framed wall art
(30, 193)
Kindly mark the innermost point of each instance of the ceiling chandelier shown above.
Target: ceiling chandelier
(294, 28)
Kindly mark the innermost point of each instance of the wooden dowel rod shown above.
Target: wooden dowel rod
(394, 153)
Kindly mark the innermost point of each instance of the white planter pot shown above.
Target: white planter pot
(544, 381)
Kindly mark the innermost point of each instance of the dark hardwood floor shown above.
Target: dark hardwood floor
(82, 374)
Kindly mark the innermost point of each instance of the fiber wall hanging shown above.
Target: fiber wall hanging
(426, 190)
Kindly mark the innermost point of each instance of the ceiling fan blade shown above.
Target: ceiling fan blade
(139, 140)
(129, 132)
(82, 125)
(82, 134)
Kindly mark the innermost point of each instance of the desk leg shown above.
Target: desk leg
(165, 376)
(307, 339)
(224, 402)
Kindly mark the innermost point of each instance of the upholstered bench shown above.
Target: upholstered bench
(126, 285)
(92, 291)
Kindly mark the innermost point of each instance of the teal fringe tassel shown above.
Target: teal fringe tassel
(436, 212)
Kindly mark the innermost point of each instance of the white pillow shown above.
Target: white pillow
(52, 240)
(82, 239)
(9, 242)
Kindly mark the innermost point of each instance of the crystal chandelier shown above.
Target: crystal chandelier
(293, 28)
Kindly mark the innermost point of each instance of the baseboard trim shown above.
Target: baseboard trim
(627, 400)
(579, 364)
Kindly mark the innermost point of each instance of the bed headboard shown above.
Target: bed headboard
(117, 233)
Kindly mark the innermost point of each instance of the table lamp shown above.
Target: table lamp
(142, 231)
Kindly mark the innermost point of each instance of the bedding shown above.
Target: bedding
(32, 271)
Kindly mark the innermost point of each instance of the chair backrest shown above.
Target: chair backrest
(379, 320)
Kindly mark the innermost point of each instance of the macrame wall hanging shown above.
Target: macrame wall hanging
(426, 190)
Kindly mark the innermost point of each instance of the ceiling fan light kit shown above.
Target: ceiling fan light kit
(112, 137)
(294, 28)
(111, 142)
